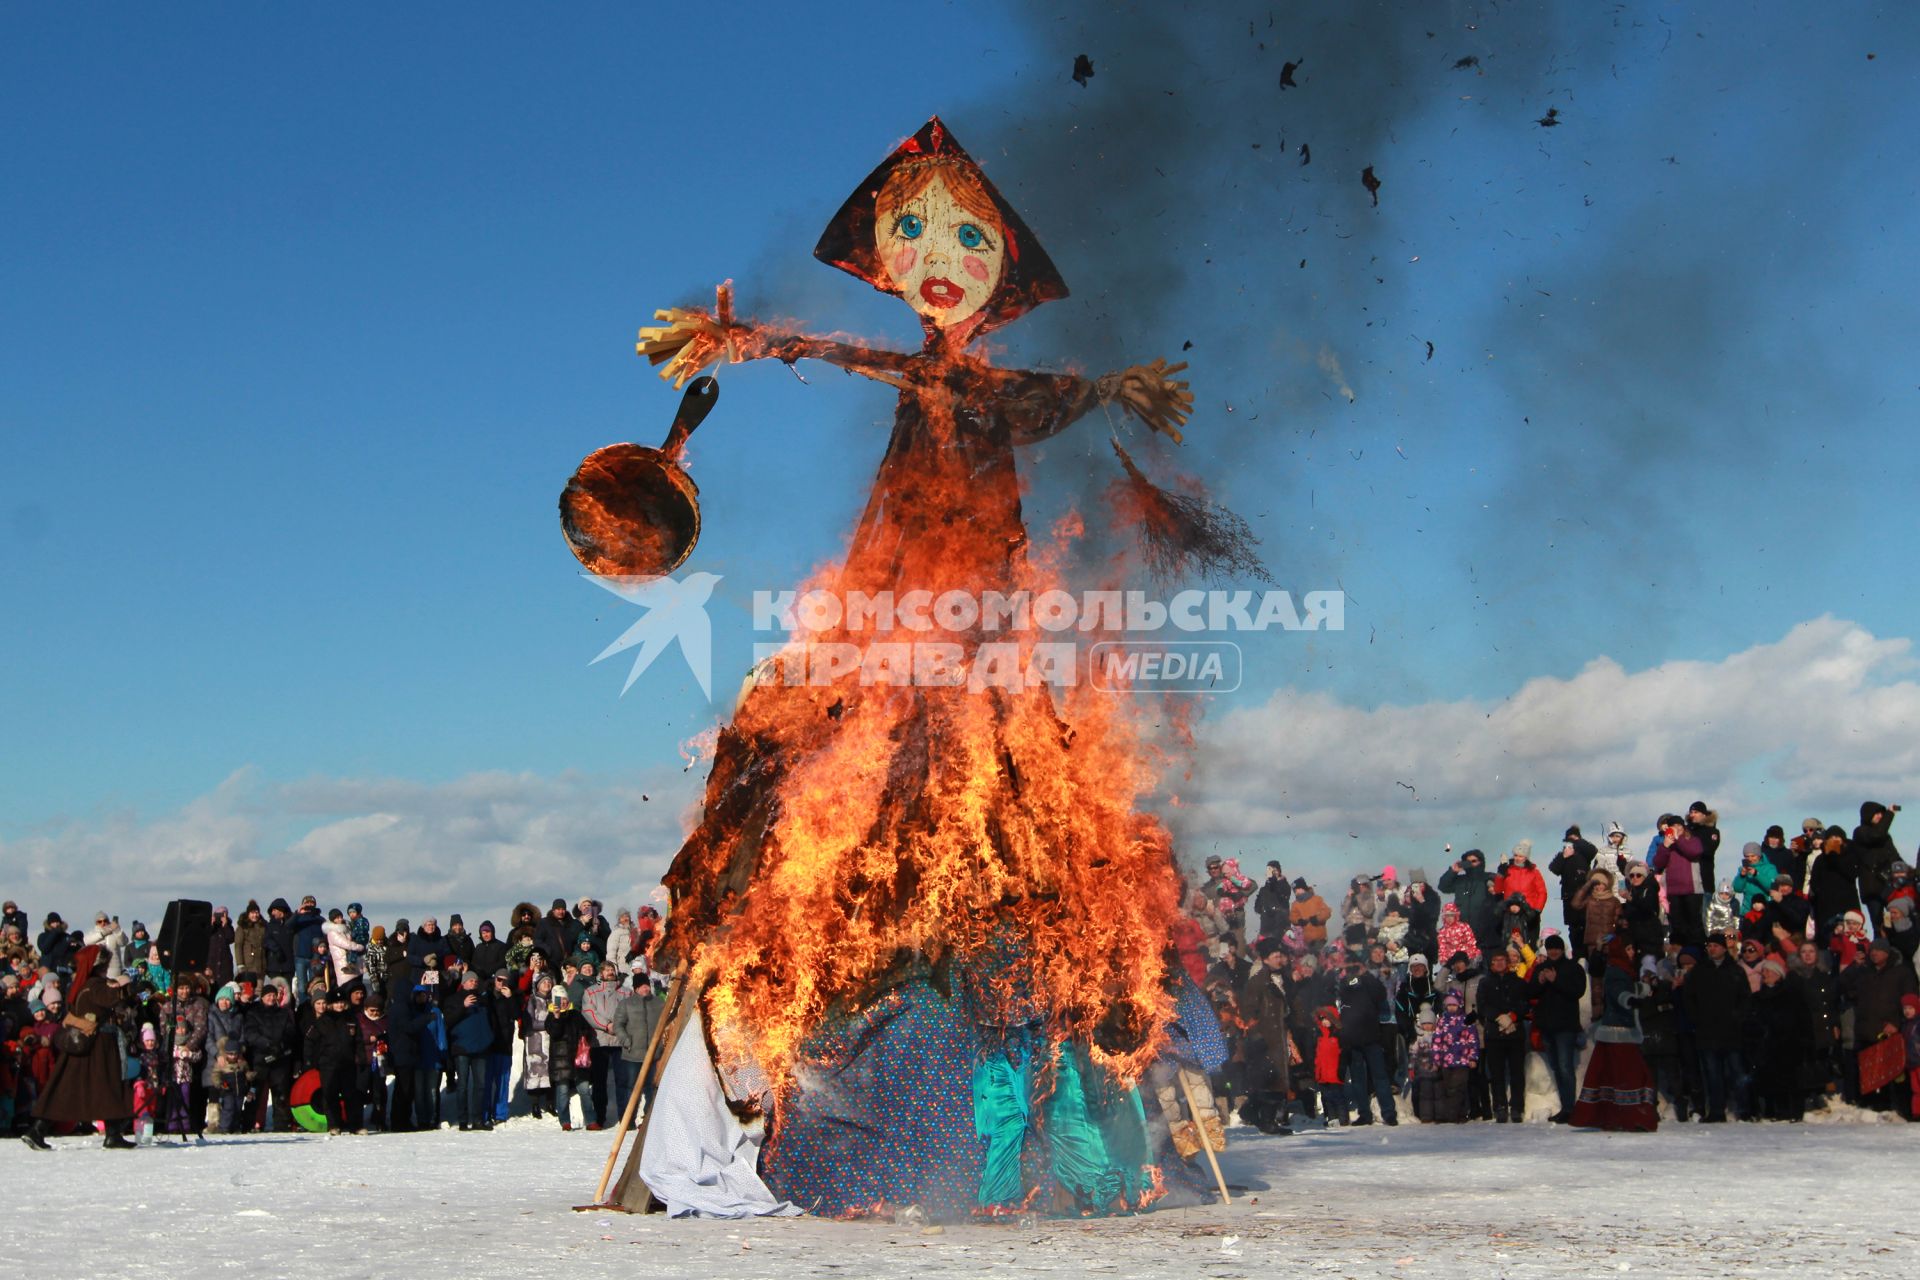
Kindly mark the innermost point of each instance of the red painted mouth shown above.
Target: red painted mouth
(942, 293)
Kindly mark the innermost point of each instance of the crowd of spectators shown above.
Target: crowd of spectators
(1749, 986)
(403, 1027)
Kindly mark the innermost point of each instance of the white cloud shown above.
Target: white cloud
(1811, 724)
(476, 845)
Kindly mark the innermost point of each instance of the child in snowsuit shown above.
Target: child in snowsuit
(1326, 1066)
(1456, 1052)
(230, 1079)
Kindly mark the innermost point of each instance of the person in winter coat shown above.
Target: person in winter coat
(1598, 907)
(250, 942)
(1456, 1052)
(1518, 875)
(219, 968)
(1518, 920)
(1363, 1001)
(1822, 991)
(1723, 911)
(1574, 864)
(370, 1062)
(1417, 992)
(1833, 883)
(1273, 904)
(332, 1050)
(402, 1058)
(566, 1032)
(557, 935)
(1715, 995)
(522, 922)
(489, 953)
(1786, 860)
(1266, 1009)
(56, 944)
(269, 1037)
(1875, 856)
(459, 941)
(1618, 1092)
(1558, 985)
(1471, 885)
(279, 940)
(112, 941)
(308, 925)
(1754, 881)
(1784, 915)
(535, 1071)
(1422, 906)
(91, 1085)
(1676, 855)
(1328, 1066)
(342, 950)
(1457, 937)
(402, 974)
(635, 1020)
(1236, 890)
(470, 1038)
(1780, 1044)
(427, 941)
(1640, 912)
(428, 1027)
(1660, 1034)
(1503, 1001)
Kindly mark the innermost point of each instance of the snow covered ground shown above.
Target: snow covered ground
(1476, 1200)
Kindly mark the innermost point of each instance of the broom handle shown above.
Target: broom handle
(639, 1084)
(1206, 1143)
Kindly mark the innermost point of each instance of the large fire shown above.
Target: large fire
(985, 839)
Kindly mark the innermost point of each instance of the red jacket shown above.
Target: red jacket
(1525, 881)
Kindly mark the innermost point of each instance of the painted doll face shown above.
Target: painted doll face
(945, 261)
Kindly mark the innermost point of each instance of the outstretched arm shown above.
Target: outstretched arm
(1041, 404)
(688, 341)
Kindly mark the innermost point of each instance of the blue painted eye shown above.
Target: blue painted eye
(971, 237)
(909, 226)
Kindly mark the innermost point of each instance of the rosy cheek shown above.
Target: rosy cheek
(903, 259)
(974, 267)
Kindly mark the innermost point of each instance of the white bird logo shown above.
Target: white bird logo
(675, 610)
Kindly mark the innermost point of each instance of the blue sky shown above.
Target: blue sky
(307, 316)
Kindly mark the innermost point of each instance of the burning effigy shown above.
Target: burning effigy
(928, 924)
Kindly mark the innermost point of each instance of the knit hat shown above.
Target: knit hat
(379, 933)
(1453, 997)
(1854, 917)
(1417, 959)
(1772, 965)
(1524, 850)
(1880, 944)
(1783, 881)
(560, 998)
(1425, 1018)
(1388, 873)
(353, 906)
(1299, 884)
(401, 925)
(1698, 806)
(1266, 947)
(1571, 833)
(34, 1005)
(1751, 849)
(1811, 824)
(227, 992)
(455, 919)
(560, 903)
(309, 901)
(1776, 832)
(1910, 1004)
(1554, 942)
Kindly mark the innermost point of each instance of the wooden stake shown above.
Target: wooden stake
(1206, 1143)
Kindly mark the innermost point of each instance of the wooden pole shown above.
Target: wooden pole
(1206, 1143)
(646, 1064)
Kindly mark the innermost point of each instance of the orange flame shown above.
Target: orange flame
(851, 829)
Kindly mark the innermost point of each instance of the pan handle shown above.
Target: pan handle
(699, 400)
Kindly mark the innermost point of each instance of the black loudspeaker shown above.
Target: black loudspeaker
(185, 934)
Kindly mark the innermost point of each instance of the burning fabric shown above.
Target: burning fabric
(936, 918)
